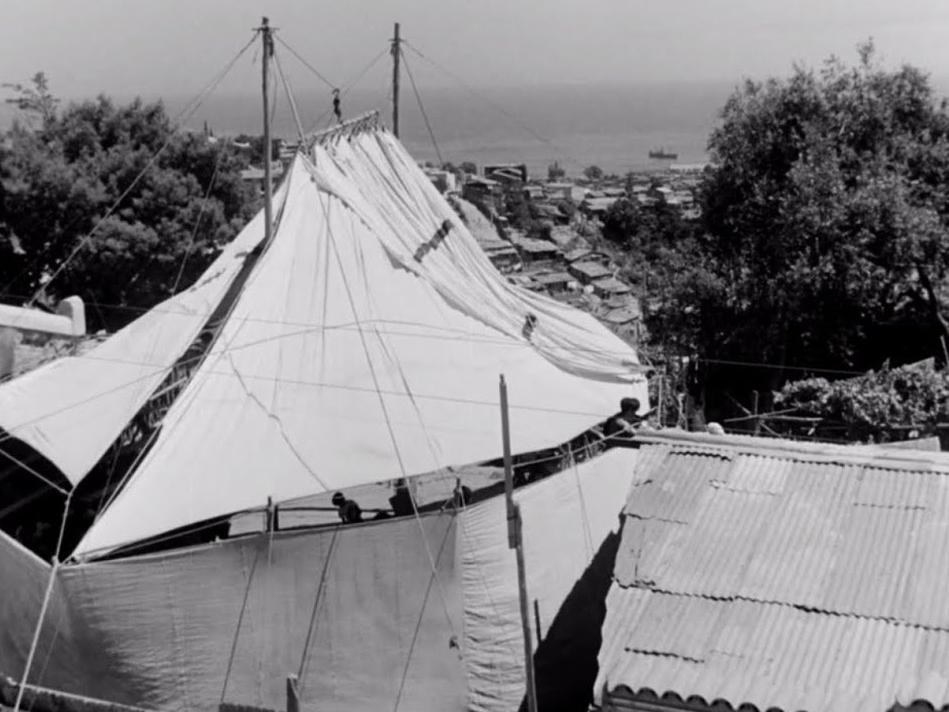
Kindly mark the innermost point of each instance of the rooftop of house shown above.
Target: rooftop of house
(599, 204)
(577, 254)
(612, 286)
(777, 575)
(533, 245)
(591, 270)
(622, 315)
(552, 278)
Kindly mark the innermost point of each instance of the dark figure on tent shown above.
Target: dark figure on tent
(461, 496)
(402, 502)
(625, 423)
(349, 511)
(336, 110)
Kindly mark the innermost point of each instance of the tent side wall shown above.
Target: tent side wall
(570, 526)
(227, 622)
(65, 659)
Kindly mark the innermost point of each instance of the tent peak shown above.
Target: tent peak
(363, 123)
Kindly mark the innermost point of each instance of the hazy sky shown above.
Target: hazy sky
(174, 46)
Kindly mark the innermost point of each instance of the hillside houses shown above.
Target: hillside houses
(536, 230)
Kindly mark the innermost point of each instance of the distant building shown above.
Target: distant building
(502, 255)
(577, 254)
(597, 206)
(588, 272)
(482, 191)
(610, 286)
(506, 172)
(565, 191)
(689, 167)
(534, 251)
(546, 211)
(254, 176)
(534, 192)
(445, 181)
(553, 282)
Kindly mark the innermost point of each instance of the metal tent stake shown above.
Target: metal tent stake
(514, 542)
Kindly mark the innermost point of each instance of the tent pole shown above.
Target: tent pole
(514, 542)
(266, 36)
(396, 56)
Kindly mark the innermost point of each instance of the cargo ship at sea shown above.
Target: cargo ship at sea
(662, 154)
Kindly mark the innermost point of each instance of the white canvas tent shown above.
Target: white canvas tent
(365, 345)
(362, 343)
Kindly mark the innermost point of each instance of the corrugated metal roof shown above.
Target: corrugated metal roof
(782, 575)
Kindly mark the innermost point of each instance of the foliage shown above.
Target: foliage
(35, 99)
(469, 168)
(823, 239)
(644, 226)
(59, 178)
(871, 405)
(593, 173)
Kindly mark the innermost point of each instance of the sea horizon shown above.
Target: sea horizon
(613, 126)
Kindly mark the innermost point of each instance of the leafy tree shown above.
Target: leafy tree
(593, 173)
(58, 181)
(34, 99)
(827, 218)
(872, 406)
(622, 222)
(469, 168)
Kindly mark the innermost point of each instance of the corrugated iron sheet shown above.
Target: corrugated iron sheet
(774, 577)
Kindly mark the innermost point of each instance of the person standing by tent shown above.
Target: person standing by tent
(337, 112)
(349, 511)
(626, 422)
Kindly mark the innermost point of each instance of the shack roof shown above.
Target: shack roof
(533, 245)
(577, 254)
(781, 575)
(611, 285)
(623, 315)
(552, 278)
(590, 270)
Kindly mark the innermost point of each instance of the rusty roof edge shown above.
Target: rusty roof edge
(889, 620)
(652, 699)
(729, 445)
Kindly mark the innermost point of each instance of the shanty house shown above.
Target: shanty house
(553, 282)
(588, 271)
(771, 575)
(534, 251)
(610, 287)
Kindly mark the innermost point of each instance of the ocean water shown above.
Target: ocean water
(613, 127)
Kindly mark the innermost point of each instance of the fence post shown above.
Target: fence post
(293, 694)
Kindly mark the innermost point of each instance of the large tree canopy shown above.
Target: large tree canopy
(61, 172)
(826, 221)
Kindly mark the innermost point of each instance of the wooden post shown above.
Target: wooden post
(396, 56)
(267, 38)
(662, 380)
(514, 542)
(293, 693)
(537, 620)
(757, 416)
